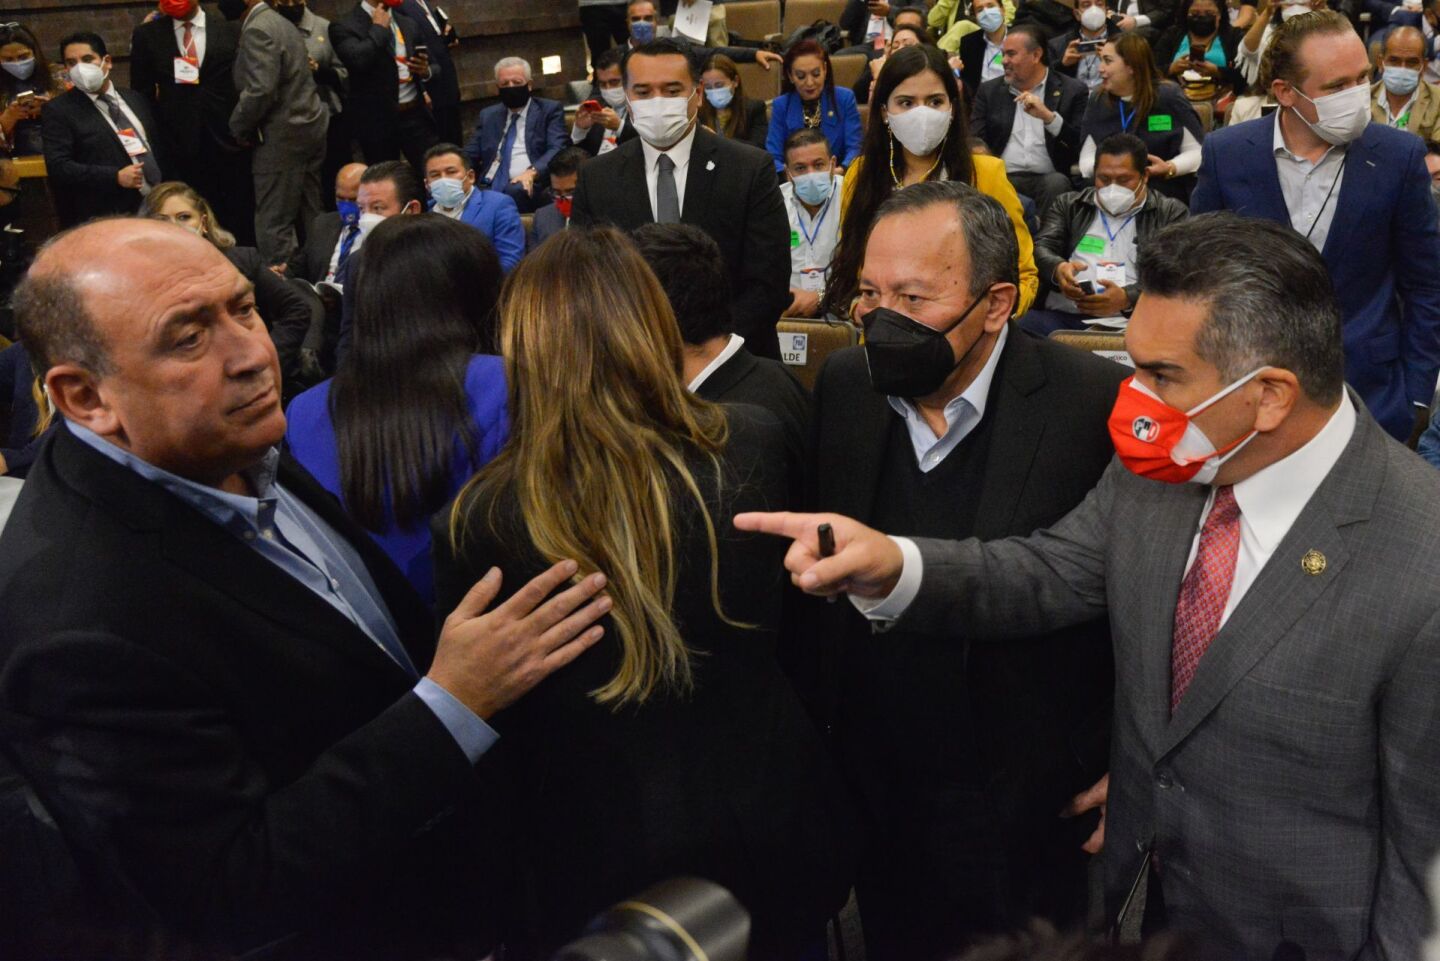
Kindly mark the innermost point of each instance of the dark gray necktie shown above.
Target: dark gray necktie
(667, 201)
(118, 118)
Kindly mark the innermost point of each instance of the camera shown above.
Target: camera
(686, 919)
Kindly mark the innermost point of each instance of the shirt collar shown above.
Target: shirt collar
(976, 395)
(1271, 499)
(731, 349)
(223, 507)
(680, 153)
(1038, 85)
(1280, 149)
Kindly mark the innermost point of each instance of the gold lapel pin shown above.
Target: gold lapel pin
(1313, 563)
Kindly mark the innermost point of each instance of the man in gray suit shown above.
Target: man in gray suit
(280, 113)
(1275, 764)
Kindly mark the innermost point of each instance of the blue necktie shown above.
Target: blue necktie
(346, 242)
(502, 172)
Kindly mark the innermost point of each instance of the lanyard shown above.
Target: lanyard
(1105, 222)
(1124, 122)
(1328, 194)
(809, 237)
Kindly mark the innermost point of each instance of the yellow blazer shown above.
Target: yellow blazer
(989, 179)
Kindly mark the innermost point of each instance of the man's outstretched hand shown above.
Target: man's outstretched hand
(866, 563)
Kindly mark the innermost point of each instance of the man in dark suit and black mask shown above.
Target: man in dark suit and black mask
(952, 422)
(675, 172)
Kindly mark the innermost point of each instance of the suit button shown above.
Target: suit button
(1165, 780)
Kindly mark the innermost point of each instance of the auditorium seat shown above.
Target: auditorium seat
(1106, 343)
(848, 67)
(802, 13)
(760, 84)
(864, 109)
(753, 19)
(805, 342)
(528, 222)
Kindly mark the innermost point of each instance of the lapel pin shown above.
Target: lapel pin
(709, 165)
(1313, 563)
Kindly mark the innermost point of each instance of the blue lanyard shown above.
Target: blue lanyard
(1124, 123)
(800, 220)
(1105, 222)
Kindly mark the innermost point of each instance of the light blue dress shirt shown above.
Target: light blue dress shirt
(962, 414)
(279, 527)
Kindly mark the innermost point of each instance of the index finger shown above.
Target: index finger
(780, 523)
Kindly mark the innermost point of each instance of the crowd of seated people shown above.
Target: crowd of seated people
(374, 588)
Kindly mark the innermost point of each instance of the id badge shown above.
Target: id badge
(1115, 273)
(812, 279)
(131, 141)
(187, 70)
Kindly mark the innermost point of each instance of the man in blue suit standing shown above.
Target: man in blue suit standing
(451, 180)
(516, 138)
(1359, 192)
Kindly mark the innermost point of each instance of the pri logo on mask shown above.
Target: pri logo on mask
(1145, 429)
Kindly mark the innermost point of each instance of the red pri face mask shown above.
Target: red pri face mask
(564, 205)
(178, 9)
(1157, 441)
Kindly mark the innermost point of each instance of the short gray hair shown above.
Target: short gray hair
(989, 234)
(1270, 299)
(54, 323)
(521, 62)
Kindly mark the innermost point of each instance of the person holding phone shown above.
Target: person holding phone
(26, 86)
(1089, 240)
(1204, 43)
(603, 121)
(1076, 53)
(388, 82)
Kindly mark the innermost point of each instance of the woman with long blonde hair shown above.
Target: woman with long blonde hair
(675, 746)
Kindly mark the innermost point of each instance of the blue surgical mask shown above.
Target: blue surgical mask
(449, 192)
(643, 31)
(719, 97)
(990, 19)
(1401, 81)
(814, 189)
(349, 212)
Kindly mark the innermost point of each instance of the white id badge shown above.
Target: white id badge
(1115, 273)
(131, 141)
(186, 70)
(812, 278)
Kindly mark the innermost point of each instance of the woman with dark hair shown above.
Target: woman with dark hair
(1204, 42)
(26, 85)
(811, 99)
(414, 408)
(675, 746)
(725, 109)
(1134, 98)
(900, 38)
(919, 131)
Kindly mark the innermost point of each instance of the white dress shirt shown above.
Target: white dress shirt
(334, 266)
(962, 415)
(812, 238)
(1025, 151)
(992, 65)
(680, 154)
(197, 34)
(1270, 501)
(1311, 190)
(519, 156)
(408, 93)
(1132, 10)
(110, 90)
(1117, 234)
(731, 349)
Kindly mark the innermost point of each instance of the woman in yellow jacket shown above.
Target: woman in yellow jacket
(918, 132)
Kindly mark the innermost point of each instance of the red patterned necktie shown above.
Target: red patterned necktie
(1204, 592)
(188, 41)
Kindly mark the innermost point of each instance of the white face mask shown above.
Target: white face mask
(1092, 18)
(614, 96)
(920, 129)
(661, 121)
(1116, 199)
(1342, 116)
(89, 77)
(368, 221)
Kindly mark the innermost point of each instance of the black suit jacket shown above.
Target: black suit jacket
(83, 155)
(992, 116)
(232, 746)
(444, 87)
(769, 384)
(731, 193)
(1022, 724)
(312, 260)
(369, 54)
(187, 113)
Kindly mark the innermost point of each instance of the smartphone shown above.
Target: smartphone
(25, 95)
(1087, 286)
(1197, 56)
(421, 51)
(591, 106)
(1090, 46)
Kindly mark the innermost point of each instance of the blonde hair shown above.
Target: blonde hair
(601, 426)
(155, 202)
(1281, 60)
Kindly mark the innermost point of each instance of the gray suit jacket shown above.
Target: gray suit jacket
(1295, 794)
(277, 95)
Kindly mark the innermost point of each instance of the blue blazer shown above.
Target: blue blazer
(545, 135)
(1383, 252)
(496, 216)
(840, 122)
(310, 435)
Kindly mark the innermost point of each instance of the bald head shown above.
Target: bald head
(1406, 46)
(347, 181)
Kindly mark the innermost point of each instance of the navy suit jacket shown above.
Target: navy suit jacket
(545, 135)
(496, 216)
(444, 87)
(1383, 252)
(548, 222)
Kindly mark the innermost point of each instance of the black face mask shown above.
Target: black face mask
(1202, 24)
(514, 97)
(906, 358)
(293, 12)
(231, 9)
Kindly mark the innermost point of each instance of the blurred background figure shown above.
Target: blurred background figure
(26, 86)
(726, 109)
